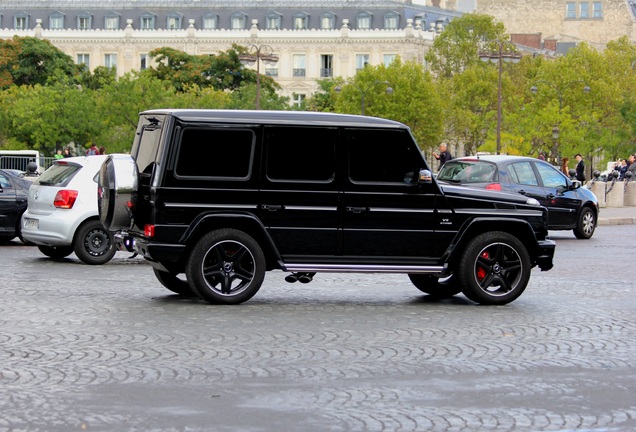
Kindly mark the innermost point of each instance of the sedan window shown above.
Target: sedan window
(4, 182)
(550, 176)
(523, 174)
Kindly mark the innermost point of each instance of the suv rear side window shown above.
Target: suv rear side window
(58, 175)
(382, 156)
(301, 154)
(216, 152)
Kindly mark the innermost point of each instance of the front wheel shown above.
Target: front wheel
(586, 224)
(226, 266)
(495, 268)
(174, 283)
(94, 244)
(56, 252)
(434, 286)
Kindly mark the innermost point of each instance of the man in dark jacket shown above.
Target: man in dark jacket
(443, 156)
(580, 168)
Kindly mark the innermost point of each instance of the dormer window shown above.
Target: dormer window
(210, 21)
(111, 21)
(301, 21)
(363, 20)
(238, 21)
(391, 21)
(56, 21)
(147, 21)
(328, 21)
(273, 21)
(174, 20)
(85, 21)
(21, 21)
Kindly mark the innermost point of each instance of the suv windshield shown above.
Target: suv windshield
(469, 171)
(58, 175)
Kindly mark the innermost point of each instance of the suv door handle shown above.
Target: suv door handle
(271, 208)
(357, 209)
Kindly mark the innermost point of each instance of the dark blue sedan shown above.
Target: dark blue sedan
(569, 205)
(14, 195)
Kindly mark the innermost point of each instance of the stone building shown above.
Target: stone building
(312, 39)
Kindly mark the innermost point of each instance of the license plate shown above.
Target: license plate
(31, 223)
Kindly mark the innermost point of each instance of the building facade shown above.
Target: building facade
(312, 39)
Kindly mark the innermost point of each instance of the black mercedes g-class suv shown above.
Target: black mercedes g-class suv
(223, 196)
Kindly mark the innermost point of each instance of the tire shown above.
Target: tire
(434, 286)
(495, 268)
(226, 266)
(93, 243)
(586, 224)
(174, 284)
(56, 252)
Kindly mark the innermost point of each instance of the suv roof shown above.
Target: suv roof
(276, 117)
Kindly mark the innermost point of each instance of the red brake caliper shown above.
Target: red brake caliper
(481, 272)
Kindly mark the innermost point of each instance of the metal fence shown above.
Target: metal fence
(20, 162)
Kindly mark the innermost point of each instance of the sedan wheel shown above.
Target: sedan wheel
(174, 283)
(94, 244)
(434, 286)
(56, 252)
(587, 224)
(495, 268)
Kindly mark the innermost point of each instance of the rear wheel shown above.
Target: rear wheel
(226, 266)
(435, 286)
(586, 225)
(56, 252)
(495, 268)
(93, 243)
(174, 283)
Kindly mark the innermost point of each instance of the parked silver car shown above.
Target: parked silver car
(62, 217)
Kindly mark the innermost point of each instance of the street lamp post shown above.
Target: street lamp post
(504, 53)
(364, 91)
(256, 54)
(560, 91)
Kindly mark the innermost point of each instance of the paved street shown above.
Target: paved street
(107, 348)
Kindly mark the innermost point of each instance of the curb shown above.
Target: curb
(616, 221)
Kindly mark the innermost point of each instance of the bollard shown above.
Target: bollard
(615, 193)
(630, 194)
(598, 188)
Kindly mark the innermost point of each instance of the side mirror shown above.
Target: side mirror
(426, 177)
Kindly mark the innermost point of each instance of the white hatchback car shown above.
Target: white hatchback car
(62, 216)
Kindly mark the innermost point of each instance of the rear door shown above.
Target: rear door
(8, 206)
(299, 191)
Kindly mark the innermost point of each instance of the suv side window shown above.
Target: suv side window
(381, 156)
(221, 152)
(301, 154)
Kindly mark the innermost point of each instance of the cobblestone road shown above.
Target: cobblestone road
(108, 349)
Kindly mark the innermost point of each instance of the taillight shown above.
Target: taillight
(65, 199)
(149, 230)
(494, 186)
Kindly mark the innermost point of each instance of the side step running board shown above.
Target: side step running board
(360, 268)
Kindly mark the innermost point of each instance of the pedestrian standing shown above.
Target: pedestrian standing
(443, 156)
(580, 167)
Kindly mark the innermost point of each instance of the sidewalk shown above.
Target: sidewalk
(617, 216)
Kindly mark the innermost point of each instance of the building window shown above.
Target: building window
(298, 99)
(84, 59)
(584, 10)
(111, 21)
(237, 21)
(326, 66)
(143, 61)
(21, 22)
(56, 21)
(389, 58)
(328, 21)
(110, 61)
(210, 21)
(597, 9)
(391, 21)
(273, 21)
(363, 20)
(271, 71)
(301, 21)
(85, 21)
(570, 10)
(361, 61)
(300, 61)
(147, 22)
(173, 22)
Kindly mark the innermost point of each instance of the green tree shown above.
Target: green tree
(31, 61)
(457, 47)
